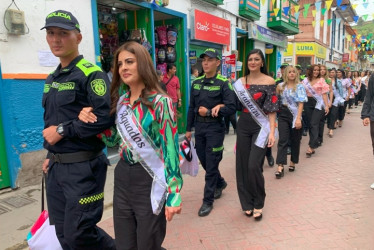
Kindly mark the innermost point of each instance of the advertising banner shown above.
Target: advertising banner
(263, 34)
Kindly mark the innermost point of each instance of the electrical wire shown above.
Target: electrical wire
(13, 2)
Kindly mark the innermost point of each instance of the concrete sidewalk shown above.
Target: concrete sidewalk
(326, 203)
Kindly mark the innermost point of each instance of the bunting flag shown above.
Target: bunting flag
(323, 11)
(365, 17)
(276, 10)
(306, 8)
(355, 18)
(333, 8)
(297, 7)
(285, 10)
(321, 23)
(297, 15)
(314, 13)
(339, 2)
(328, 4)
(314, 23)
(354, 6)
(365, 5)
(273, 2)
(318, 6)
(329, 22)
(263, 2)
(338, 21)
(343, 7)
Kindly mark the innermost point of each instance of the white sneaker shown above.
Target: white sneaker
(372, 186)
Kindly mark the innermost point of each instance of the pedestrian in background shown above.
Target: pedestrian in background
(292, 96)
(76, 165)
(231, 118)
(173, 86)
(317, 105)
(367, 112)
(160, 80)
(194, 74)
(259, 103)
(212, 98)
(141, 204)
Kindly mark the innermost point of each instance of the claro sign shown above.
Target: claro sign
(210, 28)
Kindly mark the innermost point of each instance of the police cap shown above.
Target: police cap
(284, 65)
(298, 66)
(212, 53)
(62, 19)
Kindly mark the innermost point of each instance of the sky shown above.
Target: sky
(360, 9)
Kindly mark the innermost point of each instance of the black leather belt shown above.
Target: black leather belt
(208, 119)
(74, 157)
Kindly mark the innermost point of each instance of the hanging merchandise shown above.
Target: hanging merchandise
(146, 43)
(172, 34)
(161, 31)
(136, 35)
(156, 39)
(161, 54)
(171, 54)
(162, 67)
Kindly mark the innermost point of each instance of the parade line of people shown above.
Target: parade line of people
(134, 112)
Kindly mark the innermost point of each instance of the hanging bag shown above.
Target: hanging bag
(146, 44)
(42, 235)
(172, 34)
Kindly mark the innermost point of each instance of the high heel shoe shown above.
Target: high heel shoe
(279, 174)
(291, 168)
(309, 153)
(331, 134)
(257, 214)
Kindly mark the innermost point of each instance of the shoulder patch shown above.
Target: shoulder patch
(98, 86)
(221, 77)
(86, 67)
(230, 86)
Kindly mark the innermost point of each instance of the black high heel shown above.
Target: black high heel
(291, 168)
(279, 174)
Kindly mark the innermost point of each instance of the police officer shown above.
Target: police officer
(299, 69)
(75, 165)
(212, 98)
(280, 79)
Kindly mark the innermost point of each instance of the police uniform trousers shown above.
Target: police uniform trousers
(333, 116)
(209, 138)
(75, 203)
(249, 164)
(287, 134)
(314, 116)
(135, 225)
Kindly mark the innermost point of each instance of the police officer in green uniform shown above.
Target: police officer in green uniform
(75, 164)
(280, 79)
(299, 68)
(212, 98)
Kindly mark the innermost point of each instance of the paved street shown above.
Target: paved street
(325, 204)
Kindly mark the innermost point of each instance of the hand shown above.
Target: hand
(271, 140)
(202, 111)
(216, 109)
(330, 104)
(366, 121)
(87, 116)
(179, 103)
(327, 110)
(298, 123)
(45, 166)
(188, 135)
(51, 136)
(170, 211)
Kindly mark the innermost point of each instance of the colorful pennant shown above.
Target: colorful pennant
(323, 11)
(365, 17)
(328, 4)
(318, 6)
(321, 23)
(314, 13)
(285, 10)
(306, 8)
(276, 10)
(297, 7)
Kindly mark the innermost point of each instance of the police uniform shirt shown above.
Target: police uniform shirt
(209, 92)
(68, 90)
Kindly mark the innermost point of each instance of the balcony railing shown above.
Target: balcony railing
(250, 9)
(282, 21)
(217, 2)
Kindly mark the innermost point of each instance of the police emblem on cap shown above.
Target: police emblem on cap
(99, 87)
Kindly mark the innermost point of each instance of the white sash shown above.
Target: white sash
(353, 89)
(292, 106)
(257, 113)
(338, 101)
(317, 97)
(142, 146)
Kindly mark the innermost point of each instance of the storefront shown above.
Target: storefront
(244, 46)
(271, 43)
(162, 31)
(207, 31)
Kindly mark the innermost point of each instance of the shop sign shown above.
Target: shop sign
(345, 57)
(211, 28)
(311, 49)
(289, 50)
(193, 58)
(263, 34)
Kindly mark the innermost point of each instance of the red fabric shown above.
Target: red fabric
(172, 87)
(257, 96)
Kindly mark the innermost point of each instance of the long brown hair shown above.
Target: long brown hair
(146, 71)
(310, 71)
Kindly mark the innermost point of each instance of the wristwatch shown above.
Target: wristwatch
(209, 112)
(60, 129)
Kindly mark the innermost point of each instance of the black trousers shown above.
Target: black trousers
(333, 117)
(209, 138)
(314, 116)
(287, 134)
(228, 119)
(372, 133)
(321, 128)
(305, 120)
(357, 98)
(75, 203)
(341, 111)
(135, 225)
(350, 102)
(363, 92)
(249, 164)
